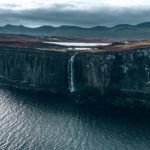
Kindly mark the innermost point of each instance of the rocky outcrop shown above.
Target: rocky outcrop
(103, 73)
(34, 69)
(114, 73)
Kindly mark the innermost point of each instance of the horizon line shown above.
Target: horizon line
(28, 26)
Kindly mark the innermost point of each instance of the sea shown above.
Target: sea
(42, 121)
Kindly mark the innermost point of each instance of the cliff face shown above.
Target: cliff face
(34, 69)
(124, 72)
(76, 72)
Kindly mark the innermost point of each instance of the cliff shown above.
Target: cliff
(120, 72)
(123, 72)
(34, 69)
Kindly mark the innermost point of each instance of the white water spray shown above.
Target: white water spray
(71, 74)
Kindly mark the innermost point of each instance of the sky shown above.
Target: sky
(87, 13)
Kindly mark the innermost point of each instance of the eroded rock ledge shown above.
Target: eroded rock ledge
(103, 73)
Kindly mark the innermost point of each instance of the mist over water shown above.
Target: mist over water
(39, 121)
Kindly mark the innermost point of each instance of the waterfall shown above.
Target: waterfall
(71, 74)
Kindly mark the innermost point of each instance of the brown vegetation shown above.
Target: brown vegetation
(23, 41)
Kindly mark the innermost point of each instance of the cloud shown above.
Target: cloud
(62, 14)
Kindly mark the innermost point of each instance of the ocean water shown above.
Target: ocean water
(39, 121)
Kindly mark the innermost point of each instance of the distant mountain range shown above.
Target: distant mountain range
(122, 31)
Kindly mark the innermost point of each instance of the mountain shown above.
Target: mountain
(122, 31)
(144, 25)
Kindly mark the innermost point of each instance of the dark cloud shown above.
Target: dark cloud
(67, 15)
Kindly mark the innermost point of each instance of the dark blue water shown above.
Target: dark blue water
(34, 121)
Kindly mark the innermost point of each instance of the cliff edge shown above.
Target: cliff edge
(76, 71)
(102, 73)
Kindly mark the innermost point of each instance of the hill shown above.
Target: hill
(122, 31)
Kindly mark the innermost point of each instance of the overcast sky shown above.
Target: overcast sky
(74, 12)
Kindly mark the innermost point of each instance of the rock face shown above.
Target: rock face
(115, 73)
(34, 69)
(120, 72)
